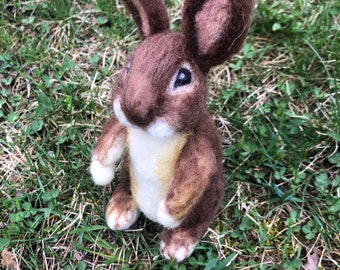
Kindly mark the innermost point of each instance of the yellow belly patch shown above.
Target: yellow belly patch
(152, 166)
(166, 162)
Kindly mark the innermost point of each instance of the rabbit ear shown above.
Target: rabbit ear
(215, 29)
(150, 16)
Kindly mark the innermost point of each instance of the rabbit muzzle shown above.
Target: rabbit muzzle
(139, 106)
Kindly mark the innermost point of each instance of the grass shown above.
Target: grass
(276, 105)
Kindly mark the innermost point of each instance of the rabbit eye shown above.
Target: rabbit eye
(183, 77)
(128, 67)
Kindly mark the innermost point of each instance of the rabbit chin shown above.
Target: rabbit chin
(158, 128)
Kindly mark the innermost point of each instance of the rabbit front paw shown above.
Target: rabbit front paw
(165, 218)
(101, 174)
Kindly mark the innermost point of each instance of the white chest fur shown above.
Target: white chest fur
(152, 164)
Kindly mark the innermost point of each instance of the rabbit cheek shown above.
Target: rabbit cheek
(117, 108)
(184, 113)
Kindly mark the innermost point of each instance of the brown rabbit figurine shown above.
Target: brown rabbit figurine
(172, 167)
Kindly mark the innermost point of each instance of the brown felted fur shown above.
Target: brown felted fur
(122, 205)
(198, 170)
(150, 16)
(178, 172)
(112, 132)
(216, 29)
(164, 53)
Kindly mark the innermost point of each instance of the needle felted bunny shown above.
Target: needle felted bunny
(172, 164)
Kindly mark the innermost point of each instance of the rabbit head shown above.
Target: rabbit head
(162, 87)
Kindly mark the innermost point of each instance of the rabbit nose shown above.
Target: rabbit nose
(139, 108)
